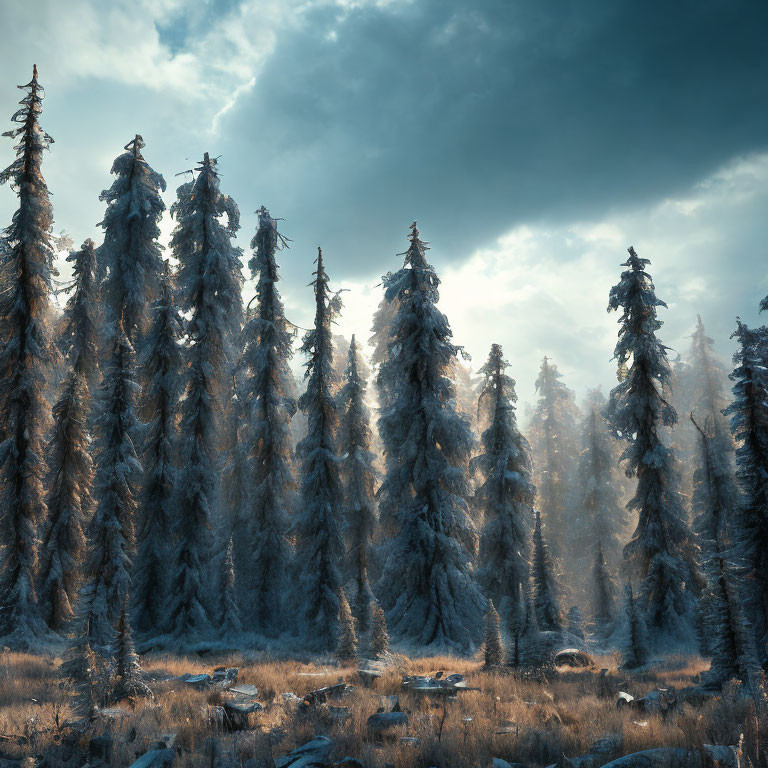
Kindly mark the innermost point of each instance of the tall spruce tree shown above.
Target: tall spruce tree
(714, 491)
(118, 471)
(708, 403)
(731, 639)
(26, 355)
(209, 290)
(319, 539)
(131, 259)
(545, 597)
(709, 384)
(359, 476)
(161, 363)
(428, 585)
(598, 515)
(70, 464)
(749, 423)
(660, 551)
(505, 495)
(266, 399)
(553, 438)
(603, 593)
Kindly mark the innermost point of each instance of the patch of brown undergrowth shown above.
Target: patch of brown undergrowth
(532, 721)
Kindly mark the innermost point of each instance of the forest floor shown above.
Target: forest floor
(530, 721)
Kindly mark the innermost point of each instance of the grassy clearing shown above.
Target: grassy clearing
(564, 715)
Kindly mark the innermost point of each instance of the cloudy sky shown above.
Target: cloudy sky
(533, 141)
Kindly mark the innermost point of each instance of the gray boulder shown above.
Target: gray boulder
(385, 723)
(313, 753)
(155, 758)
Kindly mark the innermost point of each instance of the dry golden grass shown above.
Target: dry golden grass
(563, 715)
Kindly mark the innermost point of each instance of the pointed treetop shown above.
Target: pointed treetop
(33, 84)
(135, 145)
(207, 165)
(416, 253)
(634, 260)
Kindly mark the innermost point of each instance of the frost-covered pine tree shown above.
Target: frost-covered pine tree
(715, 495)
(161, 363)
(319, 539)
(714, 491)
(70, 466)
(80, 669)
(428, 585)
(517, 623)
(598, 515)
(545, 599)
(359, 476)
(266, 397)
(731, 641)
(209, 286)
(230, 622)
(603, 594)
(111, 541)
(749, 422)
(553, 438)
(494, 648)
(379, 632)
(26, 355)
(131, 255)
(709, 383)
(346, 647)
(128, 682)
(533, 651)
(636, 648)
(505, 495)
(661, 549)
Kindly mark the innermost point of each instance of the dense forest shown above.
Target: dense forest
(166, 483)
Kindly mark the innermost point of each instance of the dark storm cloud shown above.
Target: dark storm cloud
(476, 116)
